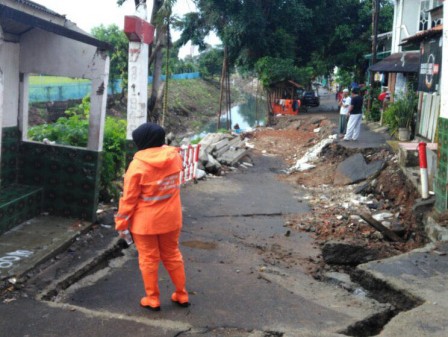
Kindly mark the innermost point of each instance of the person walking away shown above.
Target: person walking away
(344, 105)
(151, 209)
(355, 116)
(295, 105)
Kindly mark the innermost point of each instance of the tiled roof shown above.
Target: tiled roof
(424, 34)
(41, 8)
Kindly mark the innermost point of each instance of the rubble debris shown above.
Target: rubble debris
(219, 149)
(347, 253)
(355, 169)
(310, 156)
(383, 229)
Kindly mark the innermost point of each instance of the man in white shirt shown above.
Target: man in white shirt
(344, 104)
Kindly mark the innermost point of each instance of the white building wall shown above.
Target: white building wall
(9, 64)
(50, 54)
(411, 18)
(406, 21)
(444, 79)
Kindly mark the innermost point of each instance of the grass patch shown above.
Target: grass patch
(51, 80)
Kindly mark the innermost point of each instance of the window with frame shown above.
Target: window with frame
(424, 15)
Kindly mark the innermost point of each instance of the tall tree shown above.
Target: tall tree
(314, 33)
(119, 56)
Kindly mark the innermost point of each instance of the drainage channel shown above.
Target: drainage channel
(382, 292)
(96, 264)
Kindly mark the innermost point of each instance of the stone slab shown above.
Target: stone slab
(355, 169)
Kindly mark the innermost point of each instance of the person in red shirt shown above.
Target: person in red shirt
(382, 96)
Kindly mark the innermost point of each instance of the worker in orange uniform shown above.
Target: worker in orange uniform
(151, 209)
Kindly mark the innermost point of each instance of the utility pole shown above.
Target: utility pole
(375, 17)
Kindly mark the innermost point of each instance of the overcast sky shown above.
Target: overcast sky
(88, 14)
(91, 13)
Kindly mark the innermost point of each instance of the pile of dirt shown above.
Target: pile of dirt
(335, 210)
(291, 136)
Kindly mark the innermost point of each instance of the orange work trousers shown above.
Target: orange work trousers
(151, 250)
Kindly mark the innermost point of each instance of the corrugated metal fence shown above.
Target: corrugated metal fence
(430, 111)
(67, 91)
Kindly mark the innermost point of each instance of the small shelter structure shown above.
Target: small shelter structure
(284, 97)
(37, 177)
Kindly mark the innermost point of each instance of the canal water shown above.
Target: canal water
(248, 115)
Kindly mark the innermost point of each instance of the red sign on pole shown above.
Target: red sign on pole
(138, 30)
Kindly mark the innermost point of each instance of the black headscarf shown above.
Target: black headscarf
(148, 135)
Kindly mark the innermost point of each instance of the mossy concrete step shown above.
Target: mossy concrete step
(19, 203)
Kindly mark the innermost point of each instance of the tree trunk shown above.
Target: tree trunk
(157, 84)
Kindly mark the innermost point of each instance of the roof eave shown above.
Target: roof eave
(50, 26)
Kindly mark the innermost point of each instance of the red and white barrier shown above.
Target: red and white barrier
(190, 155)
(423, 170)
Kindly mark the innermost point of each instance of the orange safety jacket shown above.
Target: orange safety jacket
(151, 195)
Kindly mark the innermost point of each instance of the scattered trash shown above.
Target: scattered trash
(359, 292)
(311, 155)
(12, 280)
(382, 216)
(9, 300)
(106, 226)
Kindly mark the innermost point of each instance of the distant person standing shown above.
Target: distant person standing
(344, 105)
(355, 116)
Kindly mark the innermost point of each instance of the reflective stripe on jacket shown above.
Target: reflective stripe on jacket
(151, 194)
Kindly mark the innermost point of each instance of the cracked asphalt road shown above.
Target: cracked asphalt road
(245, 276)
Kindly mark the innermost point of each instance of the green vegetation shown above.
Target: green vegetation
(73, 130)
(119, 56)
(318, 35)
(48, 80)
(374, 114)
(273, 70)
(193, 103)
(401, 113)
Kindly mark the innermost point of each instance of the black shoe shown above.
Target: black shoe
(150, 308)
(183, 305)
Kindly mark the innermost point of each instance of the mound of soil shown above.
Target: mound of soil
(334, 213)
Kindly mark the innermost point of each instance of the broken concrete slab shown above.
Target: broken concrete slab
(420, 274)
(355, 169)
(231, 157)
(347, 253)
(222, 144)
(212, 165)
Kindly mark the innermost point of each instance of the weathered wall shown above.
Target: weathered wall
(9, 64)
(50, 54)
(411, 18)
(406, 19)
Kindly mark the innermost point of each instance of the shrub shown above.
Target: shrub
(73, 130)
(401, 113)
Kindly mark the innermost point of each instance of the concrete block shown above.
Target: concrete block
(231, 157)
(355, 169)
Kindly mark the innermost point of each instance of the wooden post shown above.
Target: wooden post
(223, 72)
